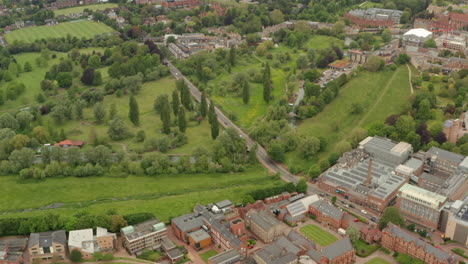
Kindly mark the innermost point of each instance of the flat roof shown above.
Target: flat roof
(422, 196)
(225, 257)
(199, 235)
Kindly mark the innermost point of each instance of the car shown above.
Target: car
(373, 219)
(352, 206)
(363, 211)
(356, 220)
(322, 194)
(343, 202)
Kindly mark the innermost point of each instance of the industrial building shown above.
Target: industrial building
(454, 221)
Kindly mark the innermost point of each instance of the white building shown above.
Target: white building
(416, 36)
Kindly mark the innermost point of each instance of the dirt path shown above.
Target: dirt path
(409, 78)
(382, 94)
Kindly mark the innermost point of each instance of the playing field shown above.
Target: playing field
(377, 261)
(318, 235)
(79, 28)
(79, 9)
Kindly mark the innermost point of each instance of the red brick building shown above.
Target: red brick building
(368, 22)
(181, 3)
(370, 234)
(328, 215)
(399, 240)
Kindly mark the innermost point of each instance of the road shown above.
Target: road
(226, 122)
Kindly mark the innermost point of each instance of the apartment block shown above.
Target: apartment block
(45, 245)
(146, 235)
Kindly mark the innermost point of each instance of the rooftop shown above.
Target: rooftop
(422, 196)
(301, 206)
(328, 209)
(447, 155)
(188, 222)
(45, 239)
(225, 257)
(419, 32)
(265, 220)
(143, 229)
(199, 235)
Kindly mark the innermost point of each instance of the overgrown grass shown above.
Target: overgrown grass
(79, 9)
(164, 195)
(79, 28)
(318, 235)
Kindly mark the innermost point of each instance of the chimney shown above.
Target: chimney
(369, 173)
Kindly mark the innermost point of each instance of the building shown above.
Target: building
(177, 4)
(420, 206)
(285, 250)
(416, 36)
(146, 235)
(452, 129)
(366, 175)
(452, 42)
(340, 252)
(456, 222)
(87, 243)
(265, 226)
(12, 250)
(441, 162)
(399, 240)
(69, 143)
(359, 56)
(199, 239)
(328, 215)
(44, 246)
(374, 17)
(298, 209)
(370, 234)
(340, 65)
(175, 255)
(227, 257)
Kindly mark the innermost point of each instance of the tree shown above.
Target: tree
(94, 61)
(184, 95)
(8, 121)
(276, 152)
(134, 113)
(88, 76)
(391, 214)
(302, 62)
(212, 114)
(75, 255)
(276, 17)
(99, 113)
(232, 56)
(353, 233)
(117, 129)
(27, 67)
(424, 110)
(97, 78)
(203, 106)
(22, 158)
(404, 125)
(246, 92)
(112, 111)
(64, 79)
(117, 223)
(309, 146)
(333, 200)
(214, 128)
(301, 186)
(24, 119)
(165, 115)
(182, 121)
(79, 106)
(430, 43)
(374, 63)
(386, 35)
(267, 83)
(175, 102)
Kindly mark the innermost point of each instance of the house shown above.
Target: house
(339, 65)
(146, 235)
(341, 252)
(12, 250)
(87, 243)
(399, 240)
(328, 215)
(265, 226)
(227, 257)
(45, 245)
(370, 234)
(175, 255)
(69, 143)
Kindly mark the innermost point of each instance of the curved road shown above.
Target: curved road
(226, 122)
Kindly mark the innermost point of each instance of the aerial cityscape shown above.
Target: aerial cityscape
(234, 131)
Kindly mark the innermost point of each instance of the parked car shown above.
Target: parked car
(363, 211)
(352, 206)
(356, 220)
(343, 202)
(373, 219)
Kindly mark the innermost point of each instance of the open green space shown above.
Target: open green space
(164, 195)
(363, 249)
(205, 256)
(79, 28)
(318, 235)
(79, 9)
(380, 95)
(319, 42)
(377, 261)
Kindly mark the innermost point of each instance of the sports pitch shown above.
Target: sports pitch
(78, 28)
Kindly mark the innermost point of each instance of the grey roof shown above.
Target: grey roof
(280, 252)
(14, 244)
(444, 154)
(432, 178)
(414, 163)
(199, 235)
(338, 248)
(223, 204)
(397, 231)
(175, 253)
(328, 209)
(225, 257)
(188, 222)
(45, 239)
(265, 220)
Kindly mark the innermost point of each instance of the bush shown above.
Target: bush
(75, 255)
(385, 250)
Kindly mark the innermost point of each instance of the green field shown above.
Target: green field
(164, 195)
(377, 261)
(79, 28)
(318, 235)
(381, 94)
(205, 256)
(79, 9)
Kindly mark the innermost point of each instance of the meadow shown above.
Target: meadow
(318, 235)
(80, 9)
(381, 95)
(78, 28)
(164, 195)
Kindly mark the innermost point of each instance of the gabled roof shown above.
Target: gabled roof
(45, 239)
(444, 154)
(328, 209)
(338, 248)
(265, 220)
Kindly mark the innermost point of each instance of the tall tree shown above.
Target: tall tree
(99, 113)
(267, 83)
(391, 214)
(175, 102)
(165, 115)
(212, 113)
(203, 106)
(232, 56)
(246, 92)
(112, 111)
(182, 121)
(185, 95)
(214, 129)
(134, 113)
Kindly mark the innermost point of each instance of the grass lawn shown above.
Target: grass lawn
(164, 195)
(363, 249)
(79, 9)
(381, 94)
(319, 42)
(79, 28)
(318, 235)
(205, 256)
(377, 261)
